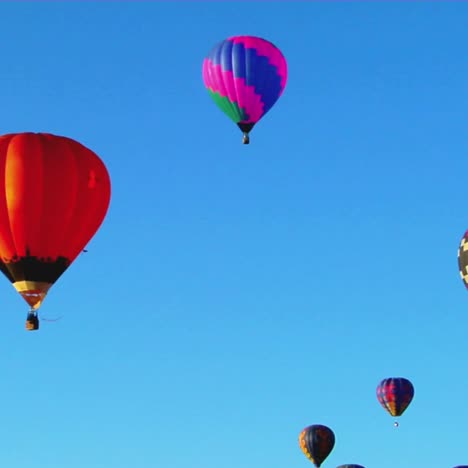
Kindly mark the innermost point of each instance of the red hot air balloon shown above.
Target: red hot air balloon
(245, 76)
(54, 195)
(395, 394)
(317, 441)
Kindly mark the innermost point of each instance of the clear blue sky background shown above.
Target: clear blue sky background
(236, 294)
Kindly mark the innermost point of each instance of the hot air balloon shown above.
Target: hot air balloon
(54, 195)
(395, 394)
(317, 441)
(463, 259)
(353, 465)
(245, 76)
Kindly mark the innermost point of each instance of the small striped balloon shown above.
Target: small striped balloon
(395, 394)
(463, 259)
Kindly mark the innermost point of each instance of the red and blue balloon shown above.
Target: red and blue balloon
(395, 394)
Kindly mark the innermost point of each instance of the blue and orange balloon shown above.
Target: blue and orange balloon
(317, 441)
(395, 394)
(245, 76)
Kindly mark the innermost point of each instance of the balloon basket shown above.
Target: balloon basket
(32, 321)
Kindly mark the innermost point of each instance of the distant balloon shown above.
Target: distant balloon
(350, 466)
(245, 76)
(463, 259)
(395, 394)
(317, 441)
(54, 195)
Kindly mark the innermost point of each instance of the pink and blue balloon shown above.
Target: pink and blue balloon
(245, 76)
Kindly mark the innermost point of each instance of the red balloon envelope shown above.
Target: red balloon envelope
(54, 195)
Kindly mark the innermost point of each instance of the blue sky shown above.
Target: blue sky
(236, 294)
